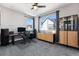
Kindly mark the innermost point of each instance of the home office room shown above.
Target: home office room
(39, 29)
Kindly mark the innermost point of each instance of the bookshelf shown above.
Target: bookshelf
(68, 31)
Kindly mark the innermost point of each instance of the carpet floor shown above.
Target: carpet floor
(37, 48)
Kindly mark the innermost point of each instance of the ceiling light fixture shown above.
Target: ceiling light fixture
(35, 7)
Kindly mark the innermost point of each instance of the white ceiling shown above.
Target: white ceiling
(26, 7)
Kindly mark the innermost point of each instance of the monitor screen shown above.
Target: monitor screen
(21, 29)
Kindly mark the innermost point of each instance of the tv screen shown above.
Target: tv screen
(21, 29)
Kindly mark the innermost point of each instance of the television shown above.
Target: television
(21, 29)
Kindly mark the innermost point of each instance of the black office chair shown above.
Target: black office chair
(25, 35)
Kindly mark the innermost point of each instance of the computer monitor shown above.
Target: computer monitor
(21, 29)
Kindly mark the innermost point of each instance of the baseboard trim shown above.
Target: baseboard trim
(68, 46)
(46, 41)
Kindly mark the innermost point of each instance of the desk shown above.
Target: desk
(21, 35)
(12, 37)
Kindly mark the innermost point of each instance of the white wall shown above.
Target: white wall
(11, 19)
(68, 10)
(36, 23)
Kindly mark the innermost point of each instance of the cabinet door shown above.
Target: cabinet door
(73, 38)
(49, 37)
(39, 35)
(63, 37)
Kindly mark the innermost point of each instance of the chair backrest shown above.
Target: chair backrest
(27, 33)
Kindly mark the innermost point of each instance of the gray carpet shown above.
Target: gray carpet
(37, 48)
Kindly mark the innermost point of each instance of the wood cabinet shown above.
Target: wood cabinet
(73, 38)
(63, 37)
(69, 38)
(45, 36)
(68, 31)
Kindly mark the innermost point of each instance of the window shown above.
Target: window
(29, 24)
(48, 23)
